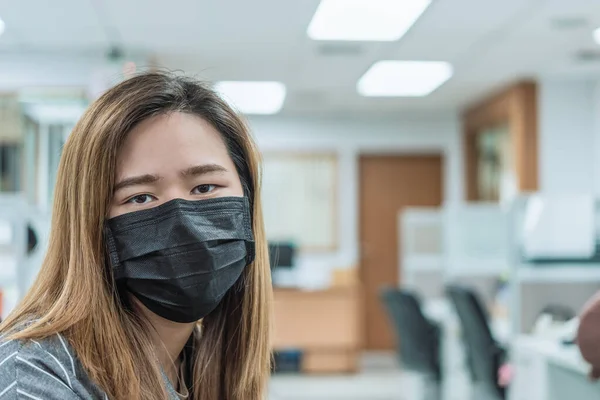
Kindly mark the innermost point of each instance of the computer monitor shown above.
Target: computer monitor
(281, 254)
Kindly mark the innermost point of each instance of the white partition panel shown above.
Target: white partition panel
(552, 274)
(39, 222)
(13, 247)
(420, 233)
(476, 240)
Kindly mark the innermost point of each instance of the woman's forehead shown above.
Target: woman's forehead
(171, 141)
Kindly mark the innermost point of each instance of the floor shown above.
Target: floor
(364, 387)
(380, 379)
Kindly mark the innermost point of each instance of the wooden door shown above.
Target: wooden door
(387, 185)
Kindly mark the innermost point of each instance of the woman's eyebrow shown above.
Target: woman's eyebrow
(136, 180)
(188, 172)
(202, 170)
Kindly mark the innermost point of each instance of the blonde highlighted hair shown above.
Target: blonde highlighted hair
(75, 292)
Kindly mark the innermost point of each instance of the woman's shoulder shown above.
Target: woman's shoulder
(39, 367)
(53, 348)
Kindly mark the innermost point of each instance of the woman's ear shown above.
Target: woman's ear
(588, 334)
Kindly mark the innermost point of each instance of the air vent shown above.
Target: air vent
(588, 56)
(568, 23)
(307, 97)
(339, 50)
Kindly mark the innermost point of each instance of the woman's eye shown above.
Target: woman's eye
(141, 199)
(203, 189)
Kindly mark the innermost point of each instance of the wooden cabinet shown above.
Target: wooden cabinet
(323, 324)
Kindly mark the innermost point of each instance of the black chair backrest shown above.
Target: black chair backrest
(482, 350)
(418, 338)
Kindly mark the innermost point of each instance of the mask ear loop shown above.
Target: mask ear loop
(112, 268)
(250, 244)
(113, 257)
(250, 251)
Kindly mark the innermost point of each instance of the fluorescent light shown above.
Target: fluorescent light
(253, 97)
(55, 113)
(597, 35)
(403, 78)
(2, 26)
(365, 20)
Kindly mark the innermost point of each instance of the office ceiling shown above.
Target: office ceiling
(488, 42)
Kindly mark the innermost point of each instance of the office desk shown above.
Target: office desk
(324, 324)
(548, 370)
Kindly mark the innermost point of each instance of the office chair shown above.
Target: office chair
(418, 338)
(484, 355)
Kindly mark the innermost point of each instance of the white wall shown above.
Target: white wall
(45, 70)
(349, 138)
(568, 136)
(596, 127)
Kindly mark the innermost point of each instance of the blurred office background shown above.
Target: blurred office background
(431, 170)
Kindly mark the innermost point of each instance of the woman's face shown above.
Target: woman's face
(172, 156)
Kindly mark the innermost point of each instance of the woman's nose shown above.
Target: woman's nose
(177, 192)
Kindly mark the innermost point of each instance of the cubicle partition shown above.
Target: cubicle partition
(421, 264)
(39, 222)
(555, 255)
(43, 126)
(555, 260)
(476, 240)
(13, 249)
(539, 251)
(466, 243)
(18, 264)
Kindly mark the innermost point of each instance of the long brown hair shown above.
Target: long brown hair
(75, 293)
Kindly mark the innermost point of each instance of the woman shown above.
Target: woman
(588, 335)
(156, 282)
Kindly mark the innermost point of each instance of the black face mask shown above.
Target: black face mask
(180, 258)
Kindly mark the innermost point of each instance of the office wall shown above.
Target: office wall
(349, 138)
(569, 136)
(20, 70)
(596, 127)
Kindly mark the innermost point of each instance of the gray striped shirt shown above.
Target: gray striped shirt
(48, 370)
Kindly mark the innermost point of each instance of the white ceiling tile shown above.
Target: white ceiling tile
(60, 25)
(211, 27)
(488, 42)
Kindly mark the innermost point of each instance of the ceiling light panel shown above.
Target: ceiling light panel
(403, 78)
(596, 35)
(253, 97)
(365, 20)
